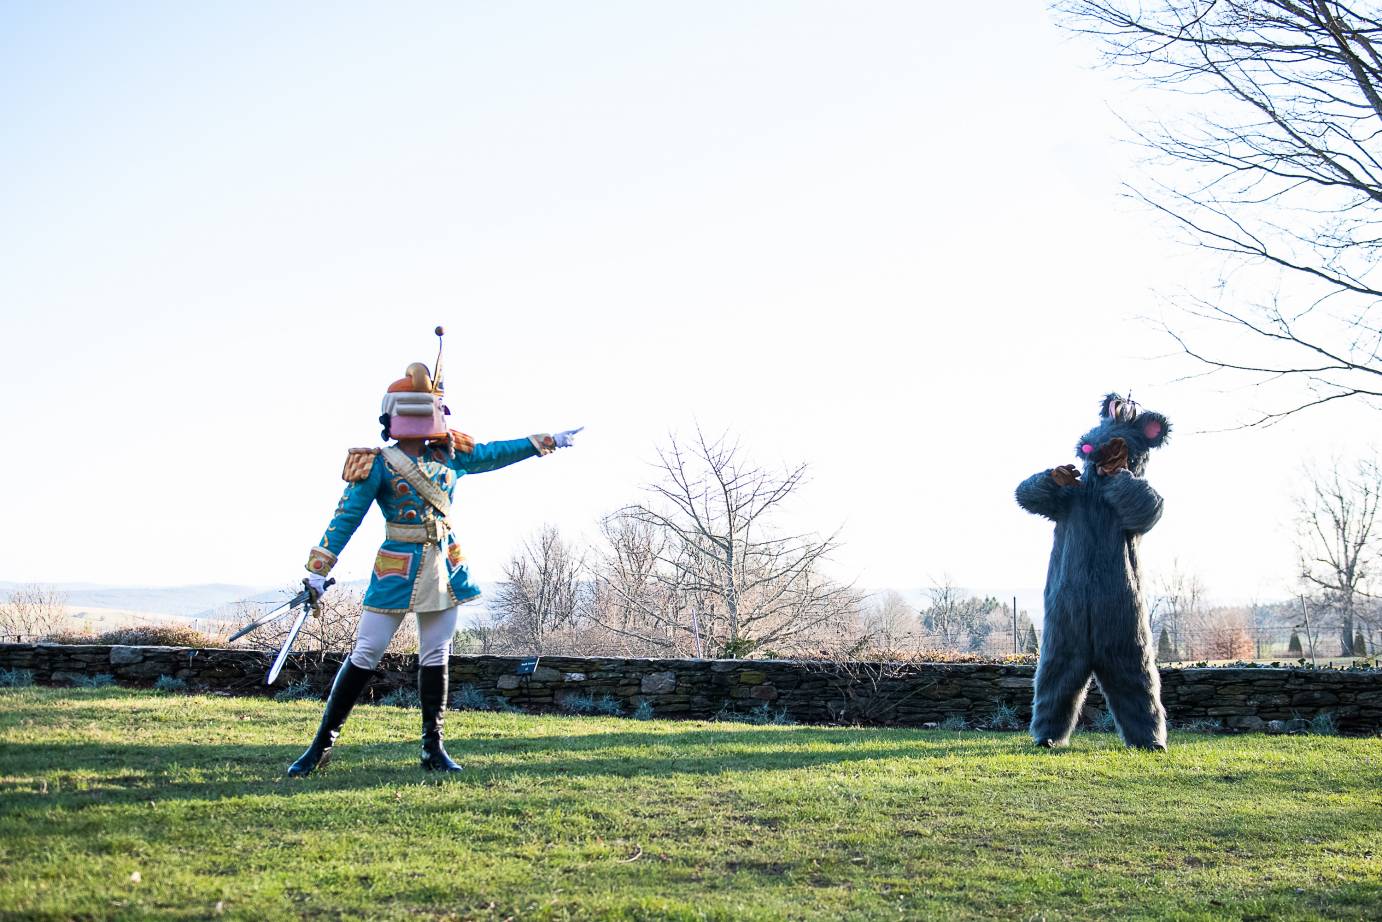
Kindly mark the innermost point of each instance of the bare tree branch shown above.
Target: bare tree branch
(1277, 164)
(702, 564)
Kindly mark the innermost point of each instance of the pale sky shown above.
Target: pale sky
(885, 239)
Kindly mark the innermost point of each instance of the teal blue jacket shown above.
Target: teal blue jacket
(391, 588)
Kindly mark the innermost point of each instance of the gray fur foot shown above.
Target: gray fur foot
(1152, 739)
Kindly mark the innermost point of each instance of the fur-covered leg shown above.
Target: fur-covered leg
(1132, 688)
(1061, 682)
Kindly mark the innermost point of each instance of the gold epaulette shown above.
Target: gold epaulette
(358, 464)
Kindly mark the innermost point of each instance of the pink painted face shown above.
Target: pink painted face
(432, 426)
(416, 415)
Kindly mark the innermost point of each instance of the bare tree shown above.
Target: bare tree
(956, 619)
(32, 611)
(1178, 607)
(702, 564)
(888, 621)
(1369, 615)
(1337, 538)
(541, 592)
(1275, 164)
(639, 604)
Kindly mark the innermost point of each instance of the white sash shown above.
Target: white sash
(404, 466)
(432, 585)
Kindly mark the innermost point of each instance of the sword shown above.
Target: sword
(305, 596)
(288, 644)
(308, 599)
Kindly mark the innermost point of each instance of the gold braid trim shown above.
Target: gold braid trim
(320, 561)
(358, 464)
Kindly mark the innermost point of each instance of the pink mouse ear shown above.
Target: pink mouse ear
(1152, 429)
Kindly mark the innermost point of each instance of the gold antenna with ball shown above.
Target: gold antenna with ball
(436, 378)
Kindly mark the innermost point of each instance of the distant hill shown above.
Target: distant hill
(184, 601)
(103, 607)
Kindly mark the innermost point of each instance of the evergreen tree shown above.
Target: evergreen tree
(1029, 642)
(1360, 644)
(1164, 651)
(1294, 648)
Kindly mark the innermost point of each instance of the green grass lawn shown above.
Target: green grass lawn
(580, 817)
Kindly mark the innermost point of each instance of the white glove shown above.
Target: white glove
(566, 439)
(317, 584)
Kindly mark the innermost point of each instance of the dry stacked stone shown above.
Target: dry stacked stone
(914, 694)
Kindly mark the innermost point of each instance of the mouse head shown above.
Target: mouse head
(1141, 430)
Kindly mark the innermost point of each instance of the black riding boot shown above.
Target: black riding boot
(350, 681)
(431, 690)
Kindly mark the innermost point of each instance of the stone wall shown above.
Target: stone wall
(804, 692)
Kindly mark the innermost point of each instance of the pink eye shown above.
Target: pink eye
(1086, 448)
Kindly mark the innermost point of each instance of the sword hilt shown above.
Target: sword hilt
(314, 597)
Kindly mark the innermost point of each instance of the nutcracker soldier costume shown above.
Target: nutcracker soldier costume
(420, 567)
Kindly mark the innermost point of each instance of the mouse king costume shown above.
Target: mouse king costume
(419, 568)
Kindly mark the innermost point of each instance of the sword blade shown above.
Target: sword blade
(257, 623)
(288, 645)
(273, 615)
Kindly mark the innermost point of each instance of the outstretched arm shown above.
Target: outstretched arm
(470, 458)
(355, 502)
(1042, 494)
(490, 456)
(1138, 506)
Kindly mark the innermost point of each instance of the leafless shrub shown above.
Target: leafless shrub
(139, 635)
(332, 630)
(32, 611)
(1225, 635)
(909, 657)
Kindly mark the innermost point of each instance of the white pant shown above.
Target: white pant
(435, 629)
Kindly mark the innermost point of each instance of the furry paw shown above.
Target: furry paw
(1065, 475)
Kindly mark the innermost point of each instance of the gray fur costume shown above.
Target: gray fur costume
(1095, 621)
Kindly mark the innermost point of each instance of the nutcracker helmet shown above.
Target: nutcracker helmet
(413, 407)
